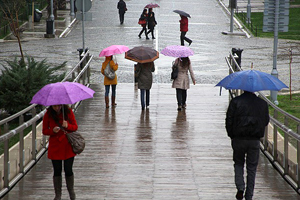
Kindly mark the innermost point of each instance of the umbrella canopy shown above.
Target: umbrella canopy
(142, 54)
(180, 12)
(62, 93)
(113, 50)
(177, 51)
(251, 81)
(152, 5)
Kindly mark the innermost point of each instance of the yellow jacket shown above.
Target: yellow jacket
(114, 66)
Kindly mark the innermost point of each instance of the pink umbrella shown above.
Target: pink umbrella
(113, 50)
(152, 5)
(62, 93)
(177, 51)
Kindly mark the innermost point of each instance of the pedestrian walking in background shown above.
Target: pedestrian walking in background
(145, 81)
(184, 24)
(143, 22)
(60, 150)
(110, 82)
(182, 83)
(122, 9)
(246, 119)
(151, 22)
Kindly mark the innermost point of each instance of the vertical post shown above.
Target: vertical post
(231, 19)
(72, 9)
(51, 8)
(21, 146)
(83, 48)
(248, 12)
(274, 70)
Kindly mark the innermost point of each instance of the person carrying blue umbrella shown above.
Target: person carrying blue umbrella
(246, 118)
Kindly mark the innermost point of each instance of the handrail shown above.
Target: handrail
(286, 159)
(32, 148)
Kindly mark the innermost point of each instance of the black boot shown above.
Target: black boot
(70, 186)
(57, 182)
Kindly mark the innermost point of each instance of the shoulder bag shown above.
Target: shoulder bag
(109, 72)
(174, 72)
(77, 142)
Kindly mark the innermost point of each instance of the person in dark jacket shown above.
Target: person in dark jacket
(246, 119)
(145, 81)
(184, 24)
(151, 22)
(122, 9)
(143, 18)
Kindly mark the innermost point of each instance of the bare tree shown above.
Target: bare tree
(10, 9)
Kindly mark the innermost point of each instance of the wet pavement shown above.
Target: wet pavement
(209, 20)
(158, 153)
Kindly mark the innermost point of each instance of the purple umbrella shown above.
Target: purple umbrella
(62, 93)
(152, 5)
(177, 51)
(113, 49)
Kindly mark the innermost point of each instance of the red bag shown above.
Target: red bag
(142, 22)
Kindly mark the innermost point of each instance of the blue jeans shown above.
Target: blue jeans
(113, 88)
(248, 149)
(143, 98)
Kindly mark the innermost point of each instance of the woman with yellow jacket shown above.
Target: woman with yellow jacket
(110, 82)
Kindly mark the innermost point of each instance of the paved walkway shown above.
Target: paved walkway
(159, 153)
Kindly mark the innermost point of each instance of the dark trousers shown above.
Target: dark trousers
(245, 151)
(121, 16)
(68, 167)
(152, 32)
(144, 29)
(183, 38)
(181, 96)
(143, 98)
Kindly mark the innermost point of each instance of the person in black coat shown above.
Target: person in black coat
(144, 18)
(246, 119)
(122, 9)
(151, 22)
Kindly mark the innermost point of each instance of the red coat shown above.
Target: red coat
(59, 147)
(184, 23)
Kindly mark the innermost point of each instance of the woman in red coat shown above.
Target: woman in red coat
(60, 150)
(184, 23)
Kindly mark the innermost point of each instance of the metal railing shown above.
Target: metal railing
(281, 144)
(16, 161)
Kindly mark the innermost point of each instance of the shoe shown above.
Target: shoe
(179, 108)
(190, 43)
(184, 106)
(143, 108)
(153, 38)
(147, 38)
(239, 195)
(140, 36)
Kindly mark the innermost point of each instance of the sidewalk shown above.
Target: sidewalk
(62, 27)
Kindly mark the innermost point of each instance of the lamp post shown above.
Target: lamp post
(248, 12)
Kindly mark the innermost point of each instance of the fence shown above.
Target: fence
(16, 161)
(281, 143)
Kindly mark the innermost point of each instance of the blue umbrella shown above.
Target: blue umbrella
(251, 81)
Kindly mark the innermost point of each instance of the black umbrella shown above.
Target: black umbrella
(180, 12)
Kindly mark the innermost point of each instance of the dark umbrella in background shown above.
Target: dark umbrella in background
(142, 54)
(180, 12)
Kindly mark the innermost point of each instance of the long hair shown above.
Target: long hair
(185, 62)
(54, 116)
